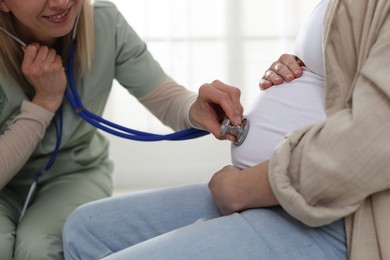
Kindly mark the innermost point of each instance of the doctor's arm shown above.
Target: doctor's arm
(19, 141)
(179, 108)
(43, 68)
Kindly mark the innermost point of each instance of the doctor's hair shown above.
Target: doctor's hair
(11, 53)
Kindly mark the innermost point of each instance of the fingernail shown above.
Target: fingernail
(230, 138)
(297, 72)
(277, 78)
(237, 120)
(289, 76)
(264, 84)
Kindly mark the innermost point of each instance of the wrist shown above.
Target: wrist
(189, 118)
(260, 193)
(192, 116)
(49, 104)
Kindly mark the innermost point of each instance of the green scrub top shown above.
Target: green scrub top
(119, 54)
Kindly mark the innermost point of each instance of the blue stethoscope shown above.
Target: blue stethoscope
(73, 97)
(115, 129)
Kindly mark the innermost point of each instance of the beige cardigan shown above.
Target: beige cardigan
(341, 167)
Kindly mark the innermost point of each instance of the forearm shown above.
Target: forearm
(256, 183)
(20, 140)
(171, 103)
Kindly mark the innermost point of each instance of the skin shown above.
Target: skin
(235, 190)
(43, 21)
(39, 23)
(216, 99)
(285, 69)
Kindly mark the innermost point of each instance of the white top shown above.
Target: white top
(284, 108)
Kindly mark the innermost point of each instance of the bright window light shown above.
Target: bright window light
(197, 41)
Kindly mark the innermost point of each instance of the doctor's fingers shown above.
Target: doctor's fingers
(227, 98)
(39, 59)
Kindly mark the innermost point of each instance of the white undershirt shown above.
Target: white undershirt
(284, 108)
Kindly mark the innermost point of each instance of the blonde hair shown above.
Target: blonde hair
(11, 54)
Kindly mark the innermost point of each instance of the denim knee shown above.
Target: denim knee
(78, 242)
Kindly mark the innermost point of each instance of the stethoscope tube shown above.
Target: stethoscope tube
(58, 129)
(113, 128)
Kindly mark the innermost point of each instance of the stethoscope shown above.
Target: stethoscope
(72, 95)
(115, 129)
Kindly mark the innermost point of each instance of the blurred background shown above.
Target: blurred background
(197, 41)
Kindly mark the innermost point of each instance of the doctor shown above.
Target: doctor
(35, 118)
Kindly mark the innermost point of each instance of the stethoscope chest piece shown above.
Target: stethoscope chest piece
(239, 131)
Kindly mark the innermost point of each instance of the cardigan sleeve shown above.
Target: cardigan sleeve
(325, 172)
(170, 102)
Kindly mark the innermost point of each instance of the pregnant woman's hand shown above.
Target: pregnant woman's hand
(286, 68)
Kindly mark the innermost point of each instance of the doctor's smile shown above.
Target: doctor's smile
(59, 17)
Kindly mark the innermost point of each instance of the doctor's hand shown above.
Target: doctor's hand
(285, 69)
(43, 68)
(215, 101)
(235, 190)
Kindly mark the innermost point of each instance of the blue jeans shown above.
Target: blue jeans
(183, 223)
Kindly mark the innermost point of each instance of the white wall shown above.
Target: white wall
(144, 165)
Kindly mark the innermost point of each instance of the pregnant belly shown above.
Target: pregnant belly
(278, 111)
